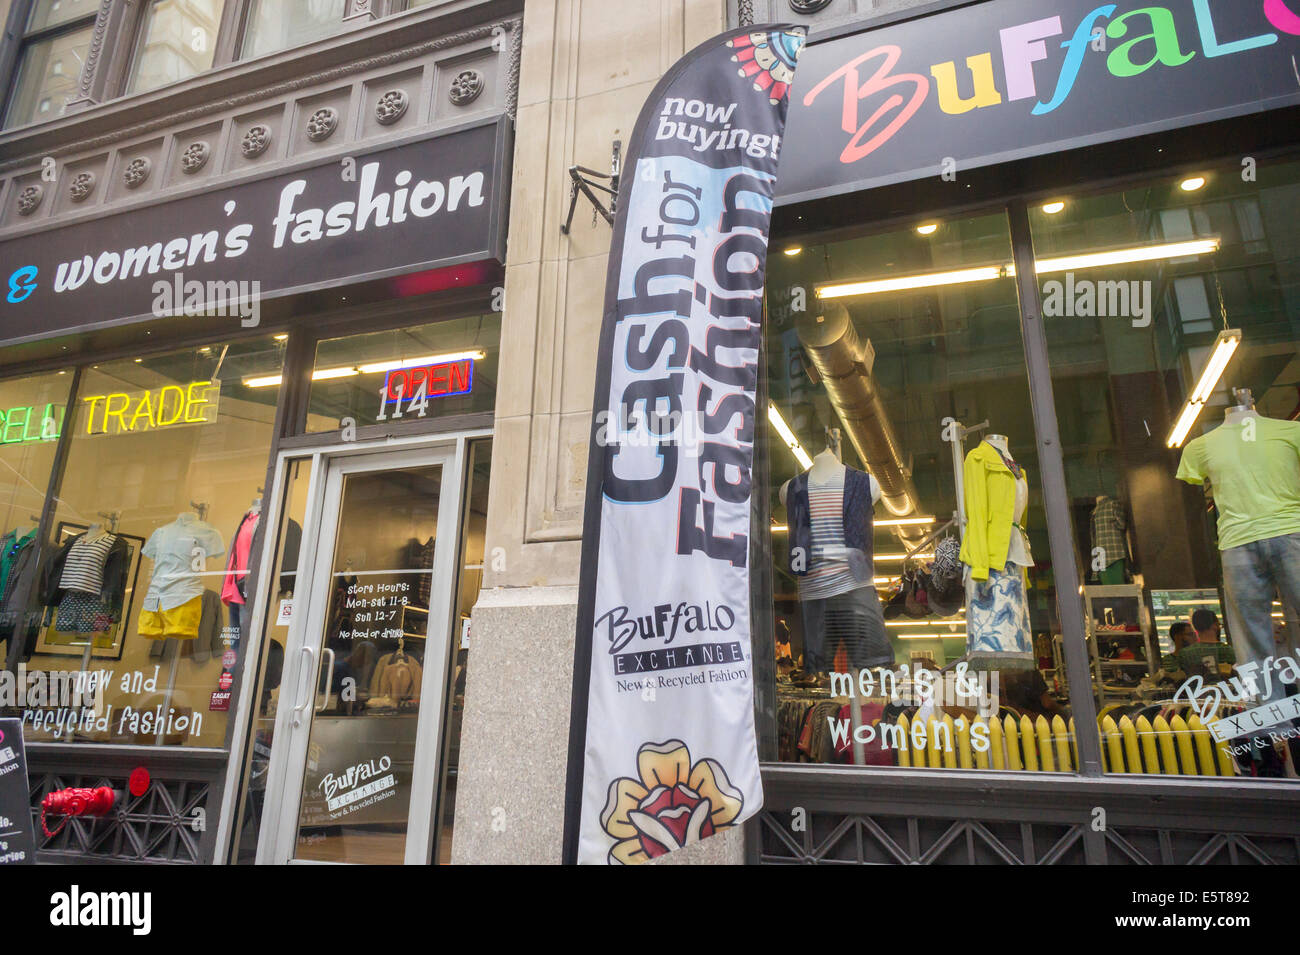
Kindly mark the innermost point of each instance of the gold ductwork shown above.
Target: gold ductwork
(844, 363)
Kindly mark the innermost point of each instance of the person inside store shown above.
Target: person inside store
(1027, 692)
(1202, 652)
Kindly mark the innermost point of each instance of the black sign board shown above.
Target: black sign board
(1006, 79)
(17, 837)
(407, 207)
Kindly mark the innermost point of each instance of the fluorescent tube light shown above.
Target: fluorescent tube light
(475, 355)
(905, 283)
(787, 436)
(325, 374)
(1086, 260)
(1225, 346)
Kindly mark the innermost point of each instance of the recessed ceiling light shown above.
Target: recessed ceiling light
(280, 338)
(138, 360)
(792, 249)
(1052, 208)
(1192, 183)
(928, 229)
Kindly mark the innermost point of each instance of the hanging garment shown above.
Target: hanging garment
(241, 546)
(83, 566)
(18, 569)
(843, 516)
(991, 490)
(175, 549)
(997, 621)
(1108, 526)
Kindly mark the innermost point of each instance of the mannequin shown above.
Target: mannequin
(174, 605)
(830, 539)
(995, 551)
(1110, 546)
(1252, 463)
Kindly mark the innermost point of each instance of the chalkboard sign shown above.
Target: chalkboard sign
(17, 838)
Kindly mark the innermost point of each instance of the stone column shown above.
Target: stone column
(587, 68)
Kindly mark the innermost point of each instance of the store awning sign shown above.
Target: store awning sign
(662, 748)
(410, 207)
(1007, 79)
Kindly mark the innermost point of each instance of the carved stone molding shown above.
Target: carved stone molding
(83, 184)
(807, 7)
(86, 81)
(256, 141)
(466, 87)
(195, 157)
(322, 77)
(137, 171)
(359, 10)
(322, 124)
(30, 198)
(391, 107)
(745, 12)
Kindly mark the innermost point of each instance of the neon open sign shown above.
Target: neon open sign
(443, 380)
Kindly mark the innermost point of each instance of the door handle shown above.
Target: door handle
(329, 680)
(310, 670)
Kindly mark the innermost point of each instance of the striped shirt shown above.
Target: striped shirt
(84, 567)
(828, 567)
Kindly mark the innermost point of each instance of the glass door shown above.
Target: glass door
(361, 704)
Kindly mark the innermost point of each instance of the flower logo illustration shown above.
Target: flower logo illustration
(673, 804)
(768, 58)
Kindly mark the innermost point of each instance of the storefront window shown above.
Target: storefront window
(283, 24)
(1171, 317)
(31, 417)
(177, 41)
(437, 370)
(913, 599)
(141, 599)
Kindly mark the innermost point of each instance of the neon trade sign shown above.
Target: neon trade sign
(993, 81)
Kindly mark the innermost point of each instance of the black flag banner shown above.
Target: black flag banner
(662, 747)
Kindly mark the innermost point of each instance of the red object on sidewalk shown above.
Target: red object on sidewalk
(76, 802)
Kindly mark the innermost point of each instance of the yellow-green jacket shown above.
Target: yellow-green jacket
(990, 490)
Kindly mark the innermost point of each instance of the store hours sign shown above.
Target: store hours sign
(409, 207)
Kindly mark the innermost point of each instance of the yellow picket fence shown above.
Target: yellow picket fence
(1174, 747)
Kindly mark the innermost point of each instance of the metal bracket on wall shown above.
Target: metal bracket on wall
(584, 182)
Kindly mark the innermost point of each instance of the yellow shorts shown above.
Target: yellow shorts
(180, 622)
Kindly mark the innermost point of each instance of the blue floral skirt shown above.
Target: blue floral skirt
(997, 621)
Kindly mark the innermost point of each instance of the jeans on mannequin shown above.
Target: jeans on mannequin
(1252, 574)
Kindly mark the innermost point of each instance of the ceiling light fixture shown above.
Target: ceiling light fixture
(325, 374)
(787, 436)
(1192, 183)
(1086, 260)
(1225, 346)
(792, 249)
(1052, 208)
(930, 228)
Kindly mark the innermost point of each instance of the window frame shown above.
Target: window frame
(20, 40)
